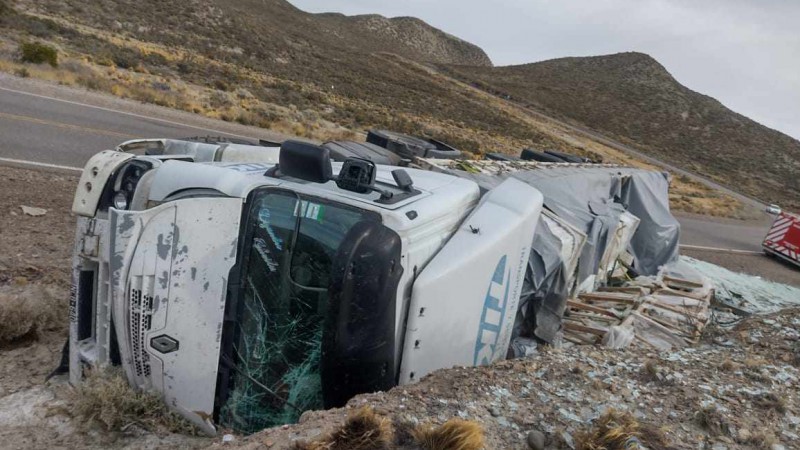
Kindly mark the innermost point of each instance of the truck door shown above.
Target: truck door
(464, 301)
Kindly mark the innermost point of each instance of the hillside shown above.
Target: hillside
(318, 76)
(357, 71)
(409, 35)
(633, 98)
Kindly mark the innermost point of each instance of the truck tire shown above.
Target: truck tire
(341, 150)
(409, 147)
(533, 155)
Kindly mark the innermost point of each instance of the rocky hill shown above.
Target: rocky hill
(633, 98)
(409, 35)
(356, 72)
(330, 76)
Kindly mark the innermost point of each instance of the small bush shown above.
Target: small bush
(22, 72)
(106, 398)
(617, 430)
(28, 310)
(363, 430)
(124, 60)
(5, 9)
(33, 52)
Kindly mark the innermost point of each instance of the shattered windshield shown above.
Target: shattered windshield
(277, 346)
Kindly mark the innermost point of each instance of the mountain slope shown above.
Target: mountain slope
(409, 35)
(633, 98)
(358, 71)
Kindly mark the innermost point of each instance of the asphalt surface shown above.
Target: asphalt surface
(723, 234)
(66, 132)
(53, 131)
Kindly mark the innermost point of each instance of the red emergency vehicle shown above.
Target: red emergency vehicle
(783, 239)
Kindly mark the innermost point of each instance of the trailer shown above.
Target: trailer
(783, 238)
(247, 284)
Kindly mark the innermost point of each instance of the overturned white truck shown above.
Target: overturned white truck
(248, 284)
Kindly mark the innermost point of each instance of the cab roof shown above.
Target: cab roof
(239, 179)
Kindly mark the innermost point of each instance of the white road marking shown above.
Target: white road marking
(22, 162)
(717, 249)
(140, 116)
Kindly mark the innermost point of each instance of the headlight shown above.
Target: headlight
(120, 200)
(119, 193)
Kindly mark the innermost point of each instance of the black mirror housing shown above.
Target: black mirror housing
(305, 161)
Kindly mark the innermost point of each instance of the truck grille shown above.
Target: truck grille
(140, 322)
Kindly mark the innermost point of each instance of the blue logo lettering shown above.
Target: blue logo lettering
(494, 309)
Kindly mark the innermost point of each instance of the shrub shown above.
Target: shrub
(5, 9)
(28, 310)
(106, 398)
(33, 52)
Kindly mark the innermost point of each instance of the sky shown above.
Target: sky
(744, 53)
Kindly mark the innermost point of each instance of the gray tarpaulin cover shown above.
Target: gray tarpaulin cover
(591, 199)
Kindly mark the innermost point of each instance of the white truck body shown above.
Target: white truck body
(151, 283)
(247, 284)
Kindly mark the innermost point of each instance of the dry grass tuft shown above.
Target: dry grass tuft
(363, 430)
(728, 365)
(28, 310)
(650, 371)
(713, 421)
(455, 434)
(770, 401)
(105, 398)
(620, 430)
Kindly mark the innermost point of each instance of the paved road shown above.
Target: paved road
(63, 132)
(46, 130)
(726, 234)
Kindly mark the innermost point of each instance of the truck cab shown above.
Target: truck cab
(248, 285)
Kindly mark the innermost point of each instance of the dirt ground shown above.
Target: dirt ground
(737, 390)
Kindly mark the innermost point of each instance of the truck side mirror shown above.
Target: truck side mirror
(357, 175)
(358, 340)
(305, 161)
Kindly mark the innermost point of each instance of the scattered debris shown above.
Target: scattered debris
(33, 211)
(663, 312)
(751, 294)
(722, 391)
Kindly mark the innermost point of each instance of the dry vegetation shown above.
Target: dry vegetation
(322, 77)
(617, 430)
(365, 430)
(27, 311)
(632, 97)
(107, 399)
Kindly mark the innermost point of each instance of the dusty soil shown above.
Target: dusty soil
(37, 248)
(736, 390)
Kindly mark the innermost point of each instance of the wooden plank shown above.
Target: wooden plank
(592, 308)
(604, 319)
(637, 290)
(673, 292)
(681, 281)
(584, 329)
(608, 297)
